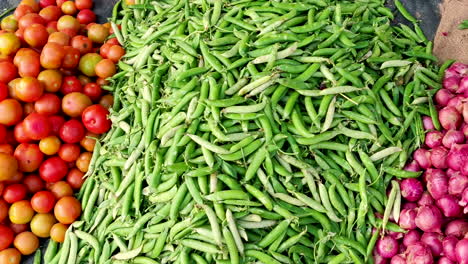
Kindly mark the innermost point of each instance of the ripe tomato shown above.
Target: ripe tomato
(57, 122)
(51, 80)
(20, 133)
(9, 23)
(70, 84)
(72, 131)
(43, 202)
(98, 33)
(9, 166)
(22, 10)
(115, 53)
(107, 101)
(6, 148)
(113, 41)
(29, 67)
(95, 119)
(28, 108)
(17, 178)
(57, 232)
(52, 55)
(86, 16)
(72, 58)
(104, 50)
(3, 210)
(82, 163)
(105, 68)
(69, 152)
(24, 53)
(41, 224)
(69, 8)
(26, 243)
(53, 169)
(67, 210)
(30, 19)
(61, 189)
(84, 4)
(14, 193)
(52, 27)
(82, 43)
(18, 228)
(36, 35)
(68, 25)
(29, 89)
(21, 212)
(6, 237)
(93, 91)
(3, 134)
(84, 80)
(88, 64)
(37, 126)
(3, 91)
(75, 178)
(9, 43)
(10, 256)
(89, 141)
(73, 104)
(12, 112)
(31, 3)
(59, 38)
(50, 13)
(49, 145)
(33, 183)
(29, 157)
(48, 104)
(8, 72)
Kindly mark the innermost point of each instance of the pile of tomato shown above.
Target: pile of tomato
(54, 61)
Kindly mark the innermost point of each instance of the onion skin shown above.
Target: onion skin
(408, 219)
(379, 259)
(457, 156)
(453, 137)
(461, 251)
(429, 219)
(448, 244)
(463, 85)
(411, 189)
(465, 111)
(437, 186)
(445, 260)
(423, 158)
(434, 242)
(449, 117)
(457, 228)
(433, 139)
(409, 205)
(451, 83)
(464, 129)
(387, 247)
(464, 198)
(412, 166)
(448, 204)
(427, 123)
(398, 259)
(456, 103)
(457, 183)
(439, 157)
(456, 69)
(426, 199)
(419, 254)
(443, 96)
(412, 237)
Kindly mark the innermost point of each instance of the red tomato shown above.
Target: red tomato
(6, 237)
(3, 210)
(22, 10)
(8, 71)
(60, 2)
(48, 104)
(26, 243)
(93, 91)
(105, 68)
(86, 16)
(28, 108)
(72, 58)
(37, 126)
(29, 89)
(84, 80)
(18, 228)
(3, 133)
(46, 3)
(73, 104)
(115, 53)
(82, 163)
(31, 3)
(21, 212)
(69, 25)
(72, 131)
(50, 13)
(29, 67)
(69, 152)
(10, 43)
(52, 55)
(7, 149)
(67, 210)
(9, 166)
(82, 43)
(98, 33)
(113, 41)
(36, 35)
(57, 232)
(89, 141)
(33, 183)
(104, 50)
(14, 193)
(75, 178)
(29, 157)
(70, 84)
(53, 169)
(61, 189)
(20, 133)
(84, 4)
(12, 112)
(95, 119)
(107, 101)
(56, 122)
(69, 8)
(10, 256)
(24, 53)
(52, 27)
(51, 80)
(59, 38)
(3, 91)
(30, 19)
(43, 202)
(17, 178)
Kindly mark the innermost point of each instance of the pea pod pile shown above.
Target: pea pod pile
(251, 131)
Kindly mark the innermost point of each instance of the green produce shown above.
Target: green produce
(254, 131)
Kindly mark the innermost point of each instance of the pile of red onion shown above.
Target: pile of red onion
(435, 207)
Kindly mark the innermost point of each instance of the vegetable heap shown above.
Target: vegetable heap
(439, 201)
(253, 131)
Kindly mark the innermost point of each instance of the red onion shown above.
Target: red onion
(412, 166)
(464, 168)
(423, 157)
(453, 137)
(411, 237)
(448, 204)
(449, 117)
(451, 83)
(461, 251)
(427, 123)
(456, 103)
(434, 138)
(457, 156)
(444, 260)
(464, 129)
(457, 228)
(411, 189)
(398, 259)
(449, 243)
(408, 219)
(395, 235)
(464, 198)
(409, 205)
(457, 183)
(443, 96)
(379, 259)
(463, 85)
(419, 254)
(429, 219)
(434, 242)
(465, 111)
(437, 186)
(387, 247)
(426, 199)
(433, 173)
(456, 69)
(439, 157)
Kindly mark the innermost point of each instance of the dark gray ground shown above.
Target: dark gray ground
(426, 11)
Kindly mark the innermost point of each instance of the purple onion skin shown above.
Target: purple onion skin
(457, 156)
(451, 83)
(409, 205)
(448, 244)
(448, 204)
(456, 69)
(412, 237)
(437, 186)
(464, 168)
(411, 189)
(408, 219)
(379, 259)
(398, 259)
(453, 137)
(423, 157)
(464, 128)
(419, 254)
(464, 198)
(457, 228)
(456, 103)
(439, 157)
(433, 139)
(461, 251)
(387, 247)
(465, 110)
(443, 96)
(433, 173)
(457, 183)
(449, 117)
(412, 166)
(463, 85)
(427, 123)
(445, 260)
(429, 219)
(434, 242)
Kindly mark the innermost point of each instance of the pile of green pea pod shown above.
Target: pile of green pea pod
(254, 132)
